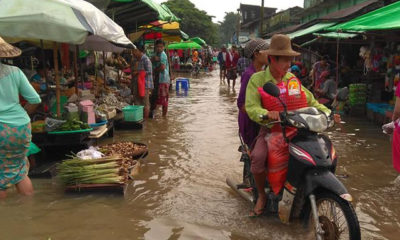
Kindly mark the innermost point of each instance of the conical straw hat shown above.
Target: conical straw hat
(8, 50)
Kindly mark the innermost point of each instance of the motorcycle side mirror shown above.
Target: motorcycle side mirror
(272, 89)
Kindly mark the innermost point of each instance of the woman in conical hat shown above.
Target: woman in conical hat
(15, 128)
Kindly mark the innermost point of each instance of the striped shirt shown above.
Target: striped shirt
(146, 65)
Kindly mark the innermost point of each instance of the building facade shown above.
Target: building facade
(251, 17)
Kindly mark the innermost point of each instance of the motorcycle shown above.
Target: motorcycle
(196, 70)
(312, 192)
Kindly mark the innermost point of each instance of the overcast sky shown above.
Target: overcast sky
(218, 8)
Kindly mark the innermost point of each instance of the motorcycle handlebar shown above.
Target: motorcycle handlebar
(265, 117)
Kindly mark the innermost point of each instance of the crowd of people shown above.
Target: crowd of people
(189, 59)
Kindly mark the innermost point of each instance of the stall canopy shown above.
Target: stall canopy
(336, 35)
(131, 14)
(311, 29)
(199, 41)
(67, 21)
(175, 37)
(384, 18)
(169, 31)
(184, 45)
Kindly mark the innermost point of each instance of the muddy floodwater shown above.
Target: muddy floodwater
(181, 191)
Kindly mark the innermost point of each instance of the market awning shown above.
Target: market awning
(184, 36)
(67, 21)
(384, 18)
(184, 45)
(311, 29)
(168, 36)
(161, 25)
(199, 41)
(336, 35)
(131, 14)
(135, 36)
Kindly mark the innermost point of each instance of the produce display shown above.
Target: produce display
(357, 94)
(107, 170)
(128, 150)
(72, 125)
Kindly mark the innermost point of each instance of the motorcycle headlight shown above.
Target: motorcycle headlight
(296, 124)
(316, 123)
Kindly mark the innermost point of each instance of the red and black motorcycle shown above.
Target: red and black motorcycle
(311, 192)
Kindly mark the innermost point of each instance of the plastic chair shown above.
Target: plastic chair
(184, 84)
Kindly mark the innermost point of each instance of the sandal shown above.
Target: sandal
(254, 214)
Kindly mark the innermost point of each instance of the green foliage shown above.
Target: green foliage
(195, 22)
(228, 26)
(72, 125)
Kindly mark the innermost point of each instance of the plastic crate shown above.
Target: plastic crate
(133, 113)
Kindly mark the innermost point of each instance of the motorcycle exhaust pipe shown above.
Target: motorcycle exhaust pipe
(247, 196)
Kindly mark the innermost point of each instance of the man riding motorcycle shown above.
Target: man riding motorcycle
(263, 108)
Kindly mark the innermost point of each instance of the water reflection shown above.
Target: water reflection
(181, 191)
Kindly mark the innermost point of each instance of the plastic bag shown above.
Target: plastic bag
(52, 124)
(90, 153)
(278, 157)
(389, 127)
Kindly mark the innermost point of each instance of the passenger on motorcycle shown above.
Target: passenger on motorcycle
(258, 104)
(254, 50)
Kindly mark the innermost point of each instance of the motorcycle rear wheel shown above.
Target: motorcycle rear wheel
(337, 218)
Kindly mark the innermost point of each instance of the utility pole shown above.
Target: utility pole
(261, 18)
(238, 28)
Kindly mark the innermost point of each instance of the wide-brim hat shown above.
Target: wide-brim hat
(254, 45)
(7, 50)
(281, 46)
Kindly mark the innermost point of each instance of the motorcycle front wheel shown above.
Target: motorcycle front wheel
(337, 218)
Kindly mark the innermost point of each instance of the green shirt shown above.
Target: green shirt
(253, 103)
(13, 83)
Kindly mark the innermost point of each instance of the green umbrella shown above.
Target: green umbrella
(184, 45)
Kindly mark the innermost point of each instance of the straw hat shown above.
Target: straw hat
(281, 46)
(255, 45)
(8, 50)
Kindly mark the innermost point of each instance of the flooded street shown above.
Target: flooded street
(181, 191)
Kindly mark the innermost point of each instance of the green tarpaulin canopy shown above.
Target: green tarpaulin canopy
(184, 45)
(309, 30)
(199, 41)
(384, 18)
(336, 35)
(130, 14)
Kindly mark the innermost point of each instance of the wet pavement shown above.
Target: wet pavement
(181, 191)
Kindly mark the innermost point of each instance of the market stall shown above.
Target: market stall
(184, 51)
(82, 115)
(380, 57)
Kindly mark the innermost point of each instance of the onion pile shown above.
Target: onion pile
(128, 150)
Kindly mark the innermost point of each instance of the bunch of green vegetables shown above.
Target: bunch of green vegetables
(71, 125)
(107, 170)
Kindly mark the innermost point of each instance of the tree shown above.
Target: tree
(228, 26)
(194, 22)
